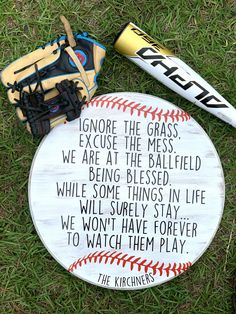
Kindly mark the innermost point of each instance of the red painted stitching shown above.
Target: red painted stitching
(173, 115)
(108, 257)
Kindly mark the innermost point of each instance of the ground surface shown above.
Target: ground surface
(201, 33)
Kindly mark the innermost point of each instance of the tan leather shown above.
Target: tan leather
(8, 76)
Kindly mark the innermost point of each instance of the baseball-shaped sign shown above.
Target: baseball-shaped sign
(129, 195)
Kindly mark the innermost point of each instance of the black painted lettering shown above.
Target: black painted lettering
(69, 157)
(67, 223)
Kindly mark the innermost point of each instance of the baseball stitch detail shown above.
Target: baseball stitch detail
(122, 259)
(174, 115)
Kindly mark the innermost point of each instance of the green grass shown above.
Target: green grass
(202, 33)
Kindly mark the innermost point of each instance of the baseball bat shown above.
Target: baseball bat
(161, 63)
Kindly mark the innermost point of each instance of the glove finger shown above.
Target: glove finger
(98, 57)
(9, 74)
(47, 85)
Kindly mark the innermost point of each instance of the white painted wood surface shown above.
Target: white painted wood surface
(145, 178)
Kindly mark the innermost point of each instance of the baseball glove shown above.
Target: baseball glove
(49, 85)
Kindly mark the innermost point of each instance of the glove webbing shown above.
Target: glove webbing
(39, 112)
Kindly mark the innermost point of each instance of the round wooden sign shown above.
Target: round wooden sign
(128, 196)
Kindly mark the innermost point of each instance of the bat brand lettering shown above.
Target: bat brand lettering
(147, 38)
(156, 59)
